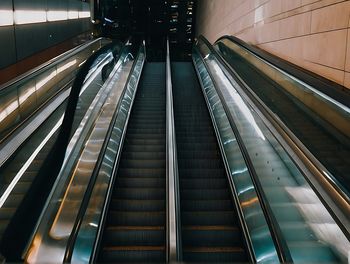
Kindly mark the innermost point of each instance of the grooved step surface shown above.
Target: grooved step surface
(210, 231)
(135, 226)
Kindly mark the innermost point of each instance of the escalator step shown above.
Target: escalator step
(137, 205)
(147, 173)
(196, 139)
(139, 193)
(198, 155)
(211, 236)
(196, 147)
(142, 164)
(146, 126)
(135, 235)
(200, 163)
(208, 218)
(133, 254)
(146, 131)
(149, 155)
(153, 136)
(137, 182)
(210, 231)
(201, 173)
(147, 142)
(206, 205)
(215, 254)
(205, 194)
(125, 218)
(144, 148)
(203, 183)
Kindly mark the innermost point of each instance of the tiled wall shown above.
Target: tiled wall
(311, 33)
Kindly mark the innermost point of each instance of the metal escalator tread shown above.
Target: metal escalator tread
(135, 224)
(210, 230)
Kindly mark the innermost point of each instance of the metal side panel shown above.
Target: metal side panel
(91, 226)
(57, 220)
(255, 227)
(310, 231)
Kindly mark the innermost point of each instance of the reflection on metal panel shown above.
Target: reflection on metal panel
(9, 114)
(6, 18)
(57, 222)
(86, 238)
(258, 233)
(279, 176)
(19, 99)
(323, 105)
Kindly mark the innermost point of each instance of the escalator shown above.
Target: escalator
(15, 164)
(210, 225)
(135, 228)
(328, 145)
(123, 212)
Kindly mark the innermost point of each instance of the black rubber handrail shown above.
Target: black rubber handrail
(326, 86)
(280, 242)
(87, 196)
(20, 228)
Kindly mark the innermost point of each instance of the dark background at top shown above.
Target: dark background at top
(152, 20)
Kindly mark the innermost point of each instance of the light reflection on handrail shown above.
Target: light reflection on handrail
(26, 165)
(260, 243)
(52, 225)
(173, 246)
(276, 178)
(331, 191)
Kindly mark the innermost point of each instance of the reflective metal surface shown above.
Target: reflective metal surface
(321, 149)
(173, 208)
(86, 243)
(311, 233)
(17, 139)
(50, 239)
(255, 227)
(326, 107)
(21, 97)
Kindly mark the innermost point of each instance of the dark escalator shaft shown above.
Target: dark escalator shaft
(210, 229)
(135, 225)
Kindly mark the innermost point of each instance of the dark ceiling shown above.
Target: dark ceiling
(154, 20)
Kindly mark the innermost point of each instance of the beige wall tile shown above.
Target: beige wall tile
(329, 73)
(310, 33)
(267, 32)
(347, 80)
(272, 8)
(330, 17)
(295, 26)
(347, 62)
(288, 5)
(307, 2)
(328, 48)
